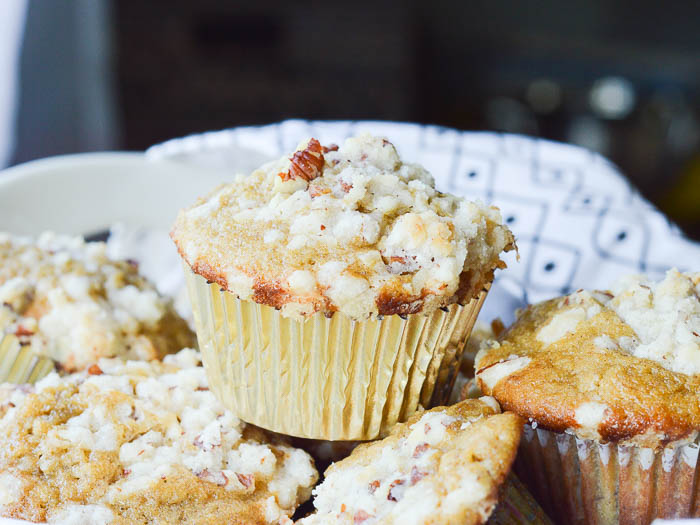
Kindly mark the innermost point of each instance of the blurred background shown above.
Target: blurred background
(618, 77)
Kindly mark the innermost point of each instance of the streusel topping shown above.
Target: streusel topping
(621, 365)
(141, 442)
(442, 466)
(351, 229)
(72, 303)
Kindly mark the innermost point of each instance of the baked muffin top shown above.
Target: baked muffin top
(141, 442)
(441, 466)
(72, 303)
(351, 229)
(620, 365)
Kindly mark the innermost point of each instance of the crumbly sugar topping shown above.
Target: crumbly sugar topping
(620, 365)
(440, 467)
(665, 317)
(351, 229)
(141, 443)
(72, 303)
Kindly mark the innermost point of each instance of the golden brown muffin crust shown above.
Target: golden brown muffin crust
(477, 444)
(624, 398)
(350, 229)
(141, 443)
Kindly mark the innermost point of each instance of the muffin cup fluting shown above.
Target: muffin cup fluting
(19, 364)
(582, 481)
(325, 378)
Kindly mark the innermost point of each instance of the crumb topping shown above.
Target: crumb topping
(621, 365)
(351, 229)
(443, 466)
(665, 317)
(70, 302)
(142, 442)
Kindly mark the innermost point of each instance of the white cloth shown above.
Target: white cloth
(578, 222)
(12, 15)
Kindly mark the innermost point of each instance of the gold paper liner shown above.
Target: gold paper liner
(517, 506)
(19, 364)
(585, 482)
(331, 379)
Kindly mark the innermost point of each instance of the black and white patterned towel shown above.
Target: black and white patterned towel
(578, 222)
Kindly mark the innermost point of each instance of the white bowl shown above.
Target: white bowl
(89, 192)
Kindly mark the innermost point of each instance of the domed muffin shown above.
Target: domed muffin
(128, 442)
(65, 300)
(610, 383)
(446, 465)
(349, 268)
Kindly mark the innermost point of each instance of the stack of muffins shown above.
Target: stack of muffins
(333, 292)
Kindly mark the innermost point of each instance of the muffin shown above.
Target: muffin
(338, 285)
(445, 465)
(63, 300)
(129, 442)
(610, 385)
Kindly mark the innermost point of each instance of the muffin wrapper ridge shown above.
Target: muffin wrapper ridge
(517, 506)
(19, 364)
(585, 482)
(325, 378)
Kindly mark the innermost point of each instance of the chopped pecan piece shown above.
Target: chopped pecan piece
(247, 480)
(317, 191)
(420, 449)
(345, 186)
(417, 475)
(21, 330)
(330, 147)
(306, 164)
(94, 370)
(395, 495)
(361, 516)
(374, 486)
(218, 478)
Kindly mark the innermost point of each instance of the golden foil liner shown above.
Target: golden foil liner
(331, 379)
(582, 481)
(19, 364)
(516, 506)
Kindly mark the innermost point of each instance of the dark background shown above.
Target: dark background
(620, 77)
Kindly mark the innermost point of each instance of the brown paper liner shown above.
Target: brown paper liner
(581, 481)
(517, 506)
(331, 379)
(19, 364)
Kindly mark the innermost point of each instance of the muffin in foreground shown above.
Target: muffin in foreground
(141, 442)
(66, 301)
(445, 465)
(339, 283)
(610, 383)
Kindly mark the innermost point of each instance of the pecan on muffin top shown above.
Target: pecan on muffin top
(351, 229)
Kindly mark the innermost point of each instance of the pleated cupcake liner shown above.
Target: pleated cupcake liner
(326, 378)
(19, 364)
(516, 506)
(582, 481)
